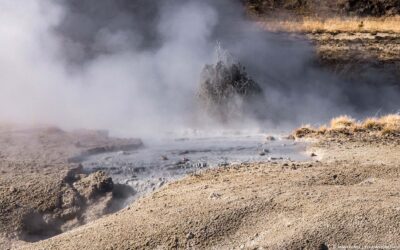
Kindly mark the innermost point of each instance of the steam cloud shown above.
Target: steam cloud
(133, 66)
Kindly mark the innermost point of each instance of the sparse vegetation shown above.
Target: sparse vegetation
(343, 121)
(388, 125)
(334, 24)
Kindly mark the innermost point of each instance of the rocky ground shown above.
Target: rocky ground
(43, 189)
(347, 196)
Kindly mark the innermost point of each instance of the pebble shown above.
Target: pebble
(270, 138)
(214, 196)
(189, 236)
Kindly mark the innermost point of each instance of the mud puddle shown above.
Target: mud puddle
(164, 160)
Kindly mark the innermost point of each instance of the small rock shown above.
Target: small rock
(185, 152)
(94, 185)
(107, 158)
(290, 137)
(270, 138)
(214, 196)
(189, 236)
(261, 153)
(313, 155)
(368, 181)
(161, 183)
(164, 158)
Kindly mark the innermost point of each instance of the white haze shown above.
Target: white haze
(134, 90)
(129, 90)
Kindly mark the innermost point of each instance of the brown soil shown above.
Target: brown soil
(353, 47)
(347, 196)
(360, 55)
(41, 192)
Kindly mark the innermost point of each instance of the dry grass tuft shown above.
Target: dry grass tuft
(304, 131)
(343, 121)
(391, 124)
(388, 125)
(335, 24)
(372, 124)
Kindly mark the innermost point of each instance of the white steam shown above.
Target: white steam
(105, 64)
(128, 90)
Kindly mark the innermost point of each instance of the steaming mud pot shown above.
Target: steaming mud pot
(165, 160)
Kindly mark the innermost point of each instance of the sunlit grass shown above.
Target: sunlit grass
(334, 24)
(346, 125)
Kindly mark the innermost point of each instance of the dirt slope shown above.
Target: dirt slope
(43, 193)
(347, 196)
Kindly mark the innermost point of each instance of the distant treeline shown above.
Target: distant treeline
(326, 7)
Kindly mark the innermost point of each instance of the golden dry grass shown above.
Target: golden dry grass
(334, 24)
(372, 124)
(391, 124)
(343, 121)
(380, 126)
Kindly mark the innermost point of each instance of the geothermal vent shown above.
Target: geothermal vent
(226, 92)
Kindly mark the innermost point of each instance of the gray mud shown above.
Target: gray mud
(165, 160)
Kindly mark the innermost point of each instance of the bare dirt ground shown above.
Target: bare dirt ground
(348, 196)
(360, 54)
(43, 190)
